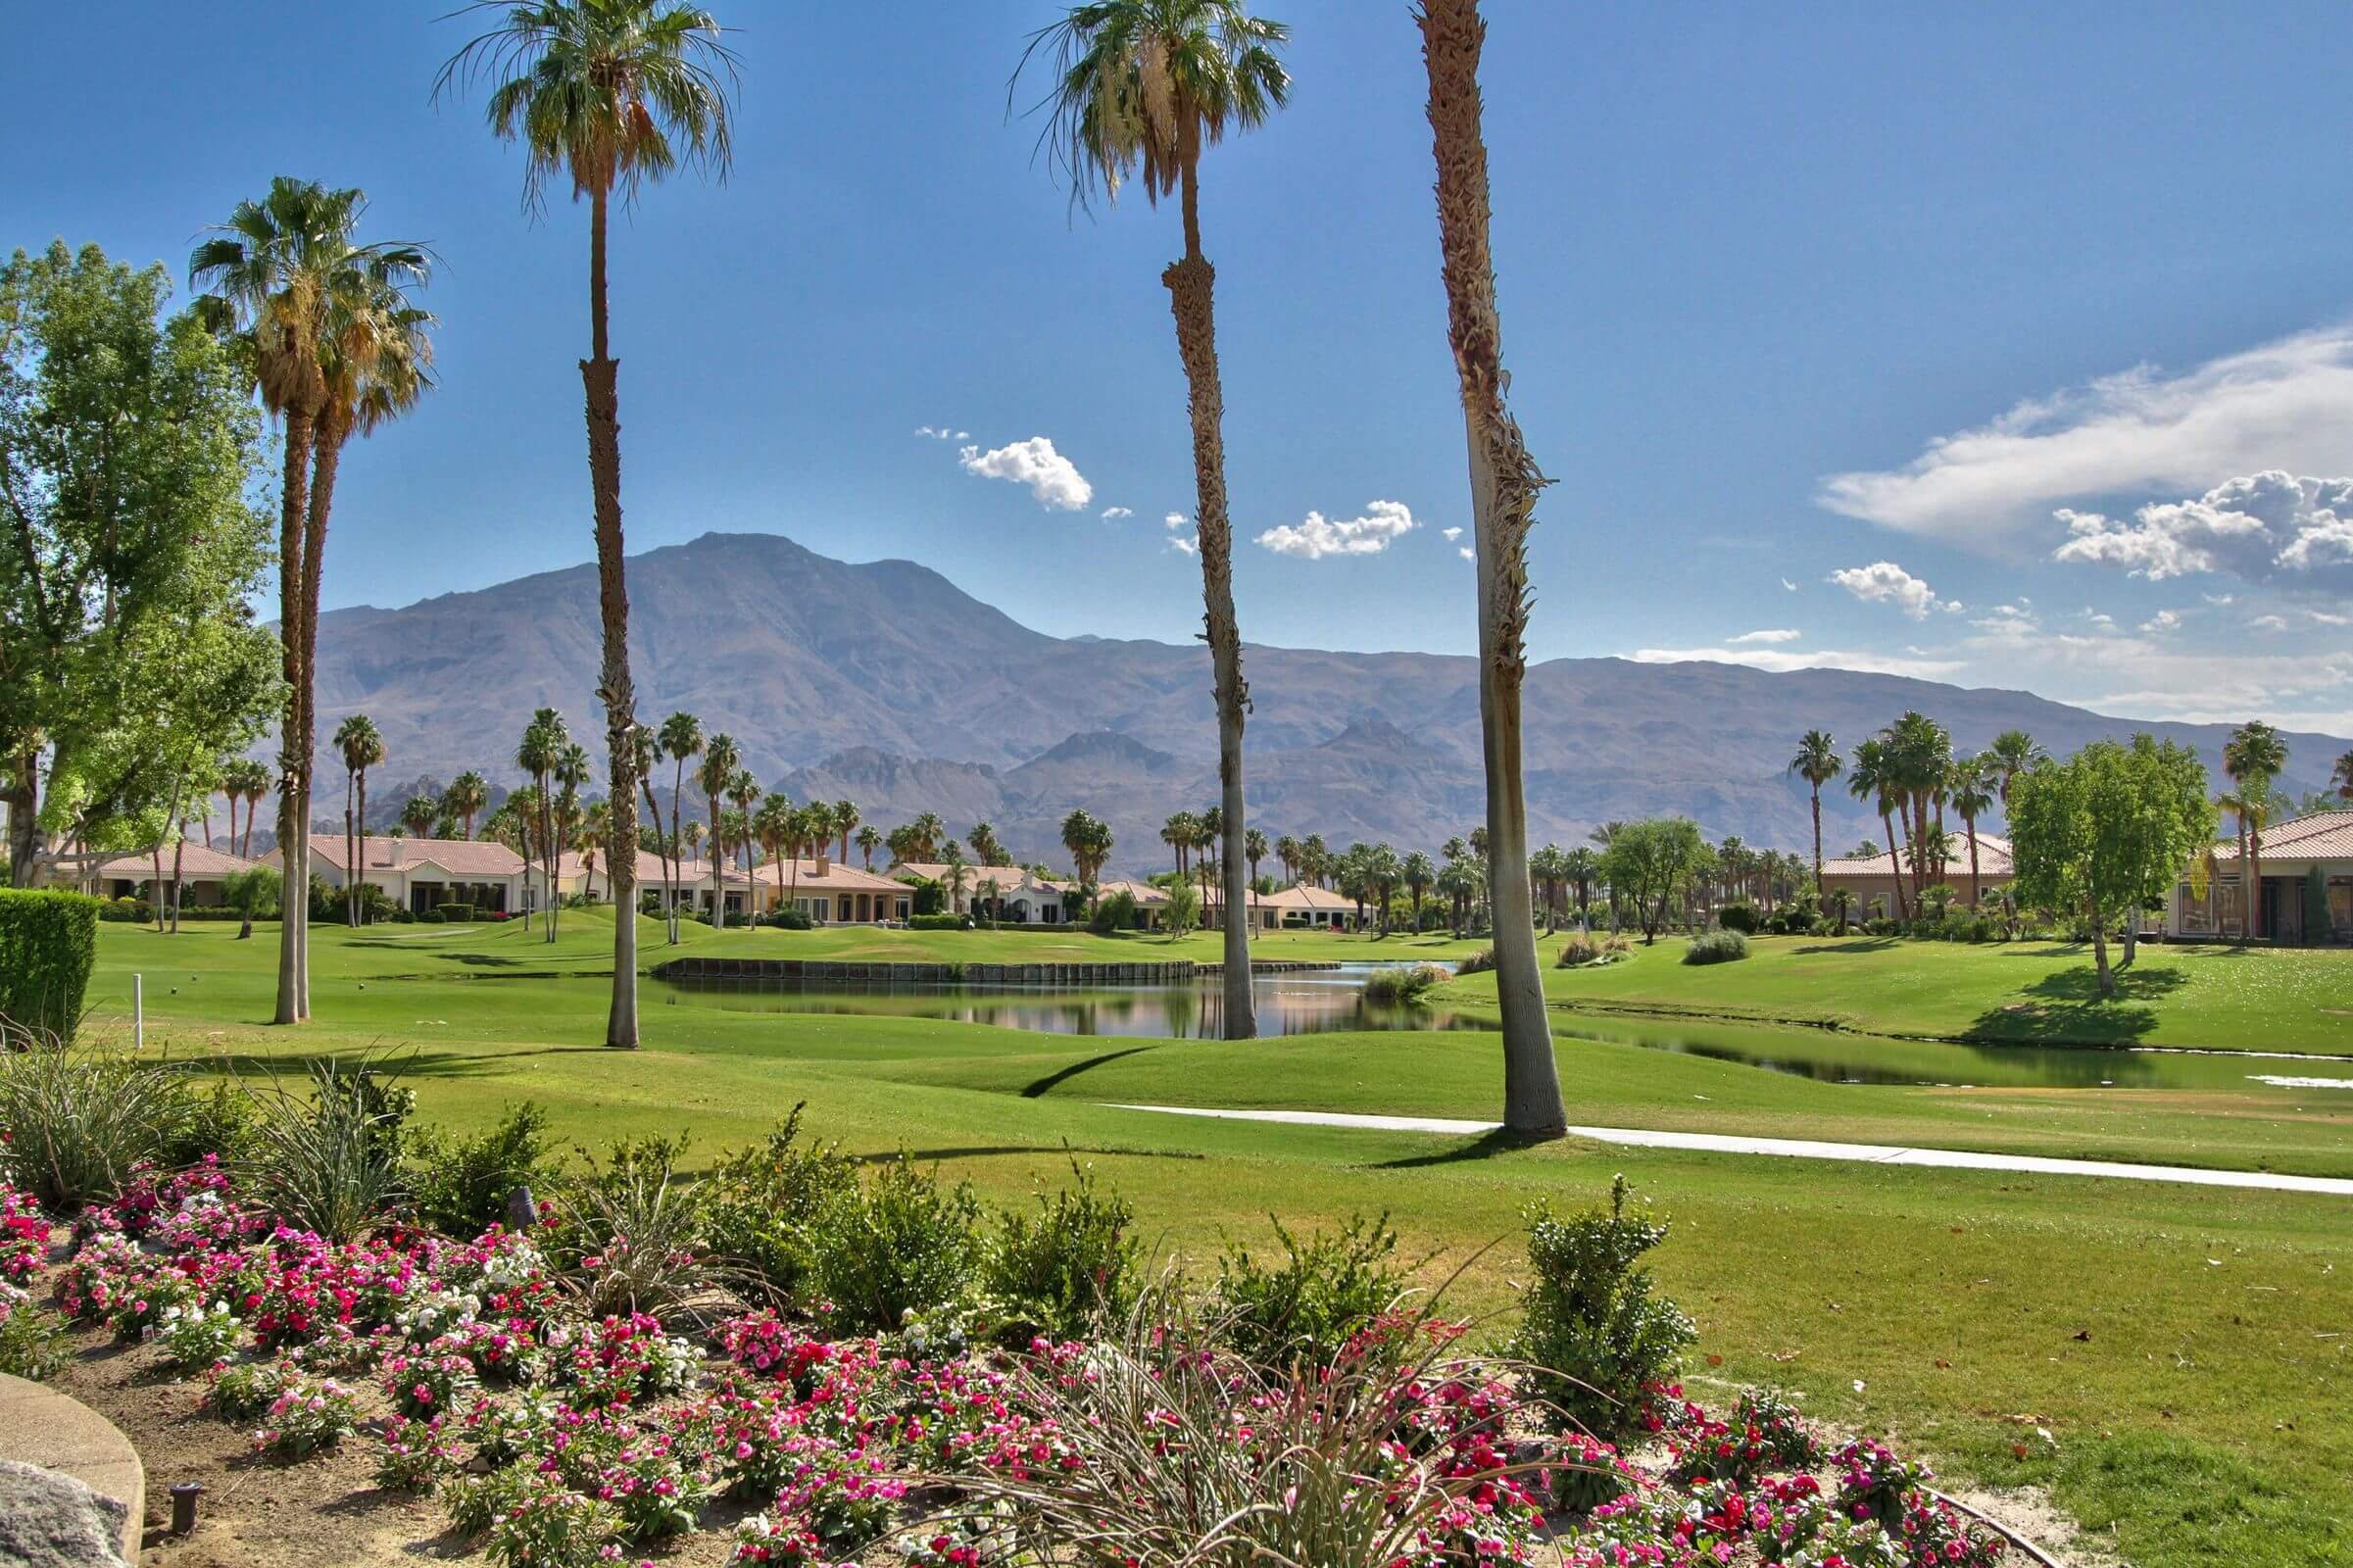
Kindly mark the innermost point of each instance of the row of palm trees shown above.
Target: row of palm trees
(612, 95)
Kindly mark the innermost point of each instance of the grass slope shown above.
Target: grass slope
(2186, 1348)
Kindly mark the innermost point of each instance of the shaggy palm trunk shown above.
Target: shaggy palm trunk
(719, 874)
(1887, 824)
(1190, 283)
(678, 850)
(294, 750)
(1503, 486)
(327, 441)
(1977, 887)
(2254, 879)
(1817, 840)
(2246, 891)
(600, 375)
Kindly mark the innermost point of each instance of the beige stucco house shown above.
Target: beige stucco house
(421, 874)
(2291, 853)
(1868, 880)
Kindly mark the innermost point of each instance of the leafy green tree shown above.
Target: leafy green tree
(253, 894)
(129, 664)
(1139, 87)
(2106, 832)
(1649, 861)
(609, 95)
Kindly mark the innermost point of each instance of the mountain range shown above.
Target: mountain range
(884, 683)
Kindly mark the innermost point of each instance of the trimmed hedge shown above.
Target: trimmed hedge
(456, 914)
(939, 922)
(1716, 947)
(48, 947)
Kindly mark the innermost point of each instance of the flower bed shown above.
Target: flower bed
(467, 1373)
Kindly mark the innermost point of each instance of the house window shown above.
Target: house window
(2340, 907)
(2198, 913)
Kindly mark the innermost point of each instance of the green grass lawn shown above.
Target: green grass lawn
(2187, 1349)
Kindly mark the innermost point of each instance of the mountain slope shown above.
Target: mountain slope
(885, 684)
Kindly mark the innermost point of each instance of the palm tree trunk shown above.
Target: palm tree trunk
(351, 905)
(2255, 878)
(2246, 891)
(1886, 823)
(719, 871)
(1190, 283)
(677, 847)
(1976, 888)
(1505, 481)
(1817, 841)
(600, 377)
(294, 751)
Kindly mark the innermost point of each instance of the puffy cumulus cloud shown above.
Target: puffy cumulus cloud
(2286, 403)
(1188, 544)
(1109, 514)
(1883, 582)
(1467, 553)
(2009, 622)
(1781, 661)
(1450, 534)
(1778, 634)
(1384, 524)
(1176, 520)
(2164, 620)
(2268, 527)
(1051, 477)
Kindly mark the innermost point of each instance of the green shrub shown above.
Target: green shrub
(1321, 1293)
(1118, 912)
(939, 922)
(331, 1163)
(1594, 1334)
(429, 917)
(787, 920)
(630, 1234)
(763, 1201)
(461, 1185)
(1741, 917)
(1071, 1267)
(1391, 987)
(220, 1122)
(1716, 947)
(899, 1243)
(456, 914)
(33, 1342)
(76, 1121)
(1478, 963)
(48, 947)
(126, 911)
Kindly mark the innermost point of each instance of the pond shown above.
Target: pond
(1303, 1002)
(1324, 1001)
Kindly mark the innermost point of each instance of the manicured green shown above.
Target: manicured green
(2024, 992)
(48, 947)
(2184, 1346)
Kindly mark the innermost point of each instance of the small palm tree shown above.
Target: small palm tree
(1418, 874)
(928, 832)
(1872, 778)
(772, 826)
(416, 817)
(611, 95)
(2013, 751)
(468, 793)
(2254, 756)
(1818, 762)
(869, 839)
(681, 738)
(542, 748)
(362, 748)
(721, 758)
(1089, 841)
(2340, 777)
(1139, 87)
(845, 823)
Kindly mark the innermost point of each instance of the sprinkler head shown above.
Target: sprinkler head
(184, 1507)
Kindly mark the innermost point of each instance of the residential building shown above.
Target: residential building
(1008, 893)
(1870, 880)
(421, 874)
(201, 872)
(2305, 897)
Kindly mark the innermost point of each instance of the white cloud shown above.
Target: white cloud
(1886, 583)
(1467, 553)
(2271, 526)
(2163, 621)
(1383, 524)
(1452, 534)
(1791, 586)
(1781, 661)
(941, 433)
(1188, 544)
(2325, 618)
(2288, 404)
(1776, 635)
(1051, 477)
(1176, 520)
(2269, 622)
(1110, 512)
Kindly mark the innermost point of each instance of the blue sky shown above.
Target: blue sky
(1826, 319)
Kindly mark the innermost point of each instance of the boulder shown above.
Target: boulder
(50, 1520)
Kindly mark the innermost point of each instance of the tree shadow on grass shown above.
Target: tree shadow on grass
(1487, 1146)
(1037, 1089)
(1849, 944)
(994, 1151)
(2066, 1009)
(294, 1066)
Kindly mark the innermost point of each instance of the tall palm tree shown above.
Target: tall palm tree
(929, 831)
(869, 839)
(464, 798)
(244, 779)
(845, 823)
(1582, 867)
(1417, 874)
(2013, 751)
(1178, 833)
(1973, 794)
(773, 825)
(2254, 756)
(680, 737)
(1872, 778)
(416, 817)
(287, 274)
(542, 747)
(1141, 86)
(1089, 841)
(612, 95)
(1253, 850)
(1505, 481)
(1817, 762)
(362, 748)
(721, 758)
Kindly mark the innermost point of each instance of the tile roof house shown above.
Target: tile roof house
(2305, 895)
(1021, 895)
(1868, 880)
(421, 874)
(200, 869)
